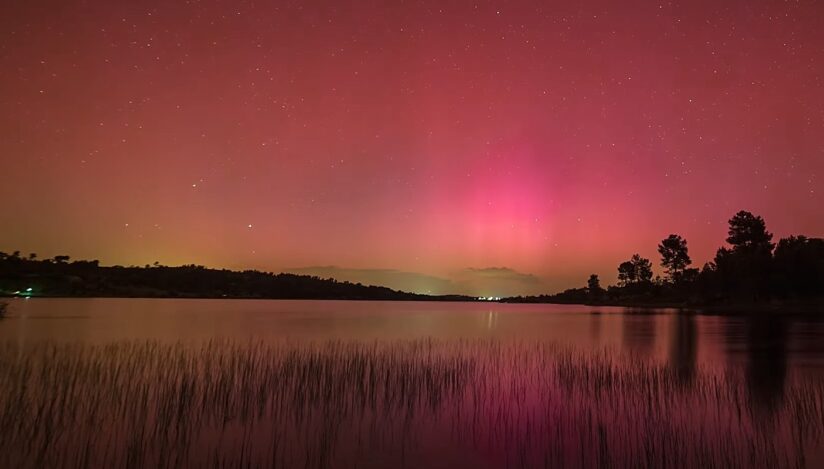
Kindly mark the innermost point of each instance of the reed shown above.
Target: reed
(404, 403)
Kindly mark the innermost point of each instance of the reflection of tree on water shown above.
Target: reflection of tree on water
(767, 361)
(595, 326)
(639, 332)
(684, 348)
(807, 341)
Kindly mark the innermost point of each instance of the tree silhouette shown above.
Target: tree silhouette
(798, 267)
(748, 231)
(626, 273)
(594, 288)
(643, 268)
(635, 270)
(748, 270)
(744, 270)
(593, 284)
(674, 256)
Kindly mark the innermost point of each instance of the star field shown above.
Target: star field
(429, 137)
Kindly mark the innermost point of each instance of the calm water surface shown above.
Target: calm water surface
(394, 384)
(685, 340)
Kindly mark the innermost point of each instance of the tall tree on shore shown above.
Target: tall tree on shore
(643, 268)
(635, 270)
(593, 284)
(626, 273)
(749, 232)
(594, 290)
(798, 267)
(674, 256)
(744, 269)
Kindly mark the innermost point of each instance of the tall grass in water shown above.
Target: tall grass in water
(416, 403)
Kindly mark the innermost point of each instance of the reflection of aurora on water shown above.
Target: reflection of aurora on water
(468, 402)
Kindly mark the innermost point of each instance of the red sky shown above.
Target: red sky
(415, 144)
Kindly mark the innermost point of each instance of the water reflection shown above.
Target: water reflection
(684, 348)
(766, 369)
(491, 320)
(595, 326)
(807, 343)
(424, 403)
(684, 342)
(331, 380)
(639, 332)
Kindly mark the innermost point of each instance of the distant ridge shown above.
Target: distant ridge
(58, 277)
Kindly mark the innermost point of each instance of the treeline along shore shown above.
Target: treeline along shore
(61, 277)
(750, 274)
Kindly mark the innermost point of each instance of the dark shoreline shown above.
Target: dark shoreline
(796, 308)
(791, 308)
(433, 299)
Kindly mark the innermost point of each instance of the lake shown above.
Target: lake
(161, 383)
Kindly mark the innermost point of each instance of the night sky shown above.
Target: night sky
(471, 147)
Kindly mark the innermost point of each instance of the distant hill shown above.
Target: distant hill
(58, 277)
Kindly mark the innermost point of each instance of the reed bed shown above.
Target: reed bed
(416, 403)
